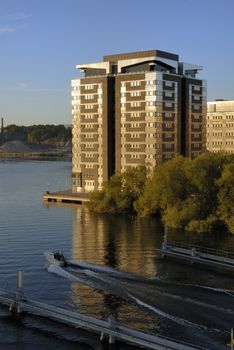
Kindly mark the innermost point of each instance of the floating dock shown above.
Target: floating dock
(220, 259)
(18, 305)
(66, 197)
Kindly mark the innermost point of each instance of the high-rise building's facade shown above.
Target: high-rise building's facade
(135, 108)
(220, 126)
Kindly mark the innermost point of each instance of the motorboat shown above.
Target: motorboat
(56, 258)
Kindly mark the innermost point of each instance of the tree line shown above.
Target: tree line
(194, 195)
(36, 134)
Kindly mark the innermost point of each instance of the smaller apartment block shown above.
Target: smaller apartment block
(220, 126)
(139, 108)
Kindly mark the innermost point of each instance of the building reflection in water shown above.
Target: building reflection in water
(123, 242)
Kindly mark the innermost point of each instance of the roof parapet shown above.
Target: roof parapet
(188, 69)
(97, 65)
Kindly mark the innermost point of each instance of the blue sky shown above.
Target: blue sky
(41, 41)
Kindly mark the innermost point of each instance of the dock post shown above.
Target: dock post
(19, 293)
(102, 336)
(232, 339)
(15, 307)
(193, 252)
(111, 323)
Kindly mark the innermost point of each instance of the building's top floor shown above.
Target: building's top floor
(141, 54)
(220, 106)
(142, 61)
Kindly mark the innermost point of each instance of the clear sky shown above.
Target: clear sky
(41, 41)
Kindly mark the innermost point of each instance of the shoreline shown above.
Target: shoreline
(36, 155)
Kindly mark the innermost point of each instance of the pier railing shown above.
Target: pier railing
(107, 329)
(218, 252)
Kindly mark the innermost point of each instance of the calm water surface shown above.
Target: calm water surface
(169, 302)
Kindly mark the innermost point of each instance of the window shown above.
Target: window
(196, 98)
(150, 93)
(88, 86)
(135, 104)
(168, 125)
(88, 116)
(150, 103)
(135, 83)
(196, 135)
(88, 97)
(150, 125)
(168, 115)
(168, 94)
(168, 83)
(197, 116)
(135, 93)
(88, 126)
(88, 106)
(196, 87)
(135, 145)
(168, 155)
(135, 114)
(196, 125)
(168, 104)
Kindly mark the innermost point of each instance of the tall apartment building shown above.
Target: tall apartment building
(135, 108)
(220, 126)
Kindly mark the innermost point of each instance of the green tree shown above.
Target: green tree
(195, 195)
(38, 133)
(120, 193)
(203, 173)
(185, 192)
(167, 192)
(226, 196)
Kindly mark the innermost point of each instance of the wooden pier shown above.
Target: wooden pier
(220, 259)
(18, 304)
(66, 197)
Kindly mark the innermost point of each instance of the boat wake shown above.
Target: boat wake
(105, 270)
(206, 309)
(102, 280)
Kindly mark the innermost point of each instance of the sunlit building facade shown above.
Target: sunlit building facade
(220, 126)
(135, 108)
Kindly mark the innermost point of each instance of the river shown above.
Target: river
(192, 304)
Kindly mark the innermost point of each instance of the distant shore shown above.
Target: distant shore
(20, 150)
(36, 155)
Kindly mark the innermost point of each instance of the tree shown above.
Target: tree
(38, 133)
(195, 195)
(185, 192)
(120, 193)
(226, 196)
(166, 192)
